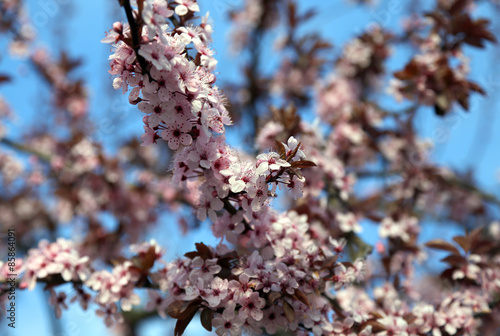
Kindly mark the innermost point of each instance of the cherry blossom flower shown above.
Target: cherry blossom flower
(157, 303)
(348, 222)
(241, 288)
(394, 326)
(204, 269)
(343, 328)
(228, 324)
(470, 270)
(176, 134)
(158, 110)
(291, 146)
(251, 305)
(270, 162)
(274, 319)
(58, 300)
(155, 53)
(184, 6)
(154, 15)
(338, 245)
(209, 206)
(399, 229)
(110, 314)
(358, 53)
(296, 186)
(217, 292)
(258, 193)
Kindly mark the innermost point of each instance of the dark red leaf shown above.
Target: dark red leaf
(4, 79)
(204, 251)
(206, 318)
(281, 149)
(454, 260)
(302, 298)
(182, 324)
(176, 308)
(439, 244)
(458, 7)
(302, 164)
(463, 242)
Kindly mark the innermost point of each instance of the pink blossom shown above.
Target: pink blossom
(204, 269)
(348, 222)
(157, 303)
(209, 206)
(269, 162)
(228, 324)
(184, 6)
(110, 314)
(175, 134)
(58, 300)
(217, 292)
(251, 305)
(258, 193)
(155, 53)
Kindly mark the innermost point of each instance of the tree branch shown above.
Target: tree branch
(25, 149)
(135, 31)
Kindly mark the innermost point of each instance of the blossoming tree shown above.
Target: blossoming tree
(304, 269)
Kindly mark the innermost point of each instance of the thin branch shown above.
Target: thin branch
(134, 31)
(56, 280)
(25, 149)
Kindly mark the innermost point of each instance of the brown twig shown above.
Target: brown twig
(134, 31)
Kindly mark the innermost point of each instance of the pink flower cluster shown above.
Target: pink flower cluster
(117, 285)
(259, 292)
(176, 93)
(60, 262)
(284, 271)
(51, 259)
(453, 314)
(187, 109)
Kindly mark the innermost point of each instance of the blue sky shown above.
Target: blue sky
(338, 20)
